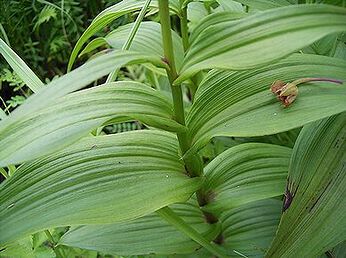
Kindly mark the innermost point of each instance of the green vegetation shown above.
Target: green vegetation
(178, 128)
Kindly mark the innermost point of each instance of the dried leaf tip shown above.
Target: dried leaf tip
(288, 92)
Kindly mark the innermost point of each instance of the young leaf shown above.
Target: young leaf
(261, 38)
(314, 218)
(20, 67)
(147, 235)
(71, 117)
(240, 103)
(245, 173)
(99, 180)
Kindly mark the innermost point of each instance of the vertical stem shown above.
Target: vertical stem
(177, 95)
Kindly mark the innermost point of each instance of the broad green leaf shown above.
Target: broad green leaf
(261, 38)
(230, 5)
(147, 235)
(249, 229)
(73, 116)
(78, 79)
(264, 4)
(245, 173)
(109, 15)
(314, 218)
(99, 180)
(240, 104)
(213, 19)
(94, 44)
(148, 39)
(20, 67)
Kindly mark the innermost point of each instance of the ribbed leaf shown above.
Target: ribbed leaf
(69, 118)
(264, 4)
(314, 220)
(146, 235)
(148, 39)
(20, 67)
(70, 82)
(98, 180)
(109, 15)
(249, 229)
(261, 38)
(245, 173)
(241, 104)
(214, 19)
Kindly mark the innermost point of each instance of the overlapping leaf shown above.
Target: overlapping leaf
(73, 116)
(249, 229)
(264, 4)
(261, 38)
(109, 15)
(20, 67)
(98, 180)
(241, 104)
(147, 40)
(245, 173)
(315, 217)
(213, 19)
(146, 235)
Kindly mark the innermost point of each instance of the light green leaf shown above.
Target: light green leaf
(20, 67)
(314, 220)
(99, 180)
(245, 173)
(148, 39)
(146, 235)
(73, 116)
(249, 229)
(240, 104)
(213, 19)
(261, 38)
(106, 17)
(264, 4)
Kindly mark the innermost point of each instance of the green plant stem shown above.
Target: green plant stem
(303, 80)
(169, 215)
(192, 162)
(56, 250)
(184, 29)
(112, 76)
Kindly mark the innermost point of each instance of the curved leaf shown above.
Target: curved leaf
(20, 67)
(146, 235)
(213, 19)
(69, 118)
(245, 173)
(261, 38)
(314, 220)
(240, 103)
(98, 180)
(106, 17)
(264, 4)
(249, 229)
(148, 39)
